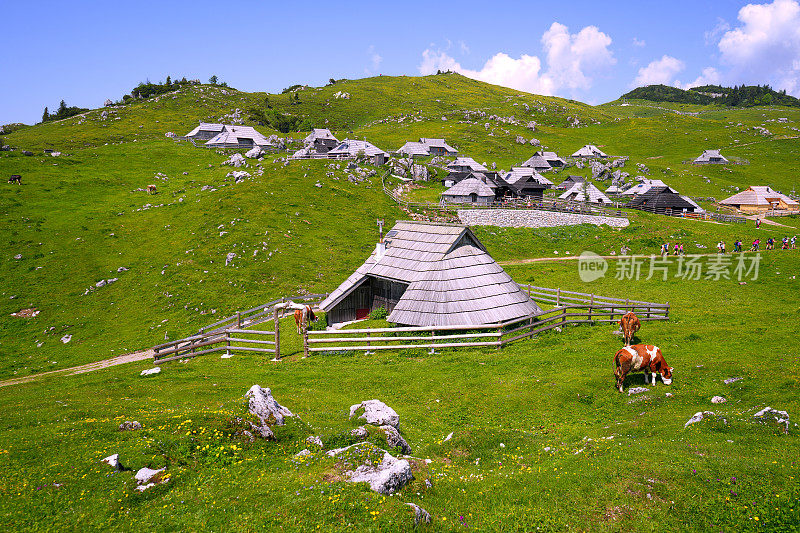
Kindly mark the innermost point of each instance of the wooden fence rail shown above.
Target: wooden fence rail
(569, 307)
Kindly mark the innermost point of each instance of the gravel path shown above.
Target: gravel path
(82, 369)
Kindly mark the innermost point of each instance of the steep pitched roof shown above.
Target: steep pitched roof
(414, 148)
(319, 133)
(577, 193)
(451, 278)
(644, 186)
(437, 143)
(662, 198)
(206, 126)
(467, 162)
(589, 150)
(709, 156)
(470, 186)
(550, 157)
(538, 162)
(758, 195)
(569, 182)
(526, 174)
(352, 147)
(232, 134)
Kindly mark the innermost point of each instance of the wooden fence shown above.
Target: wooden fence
(232, 334)
(568, 308)
(560, 308)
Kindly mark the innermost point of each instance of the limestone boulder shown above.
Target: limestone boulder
(376, 413)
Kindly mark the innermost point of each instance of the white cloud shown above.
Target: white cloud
(721, 27)
(766, 46)
(661, 71)
(463, 46)
(374, 61)
(571, 59)
(638, 43)
(709, 76)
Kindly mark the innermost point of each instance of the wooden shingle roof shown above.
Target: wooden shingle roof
(451, 278)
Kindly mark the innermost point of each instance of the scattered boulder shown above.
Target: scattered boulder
(254, 152)
(66, 338)
(147, 477)
(698, 416)
(303, 453)
(151, 371)
(448, 437)
(394, 439)
(534, 142)
(315, 440)
(236, 160)
(263, 405)
(229, 258)
(360, 432)
(385, 477)
(18, 257)
(113, 462)
(770, 415)
(376, 413)
(637, 390)
(130, 425)
(420, 514)
(170, 134)
(520, 139)
(732, 380)
(718, 399)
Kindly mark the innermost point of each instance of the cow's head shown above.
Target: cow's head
(666, 375)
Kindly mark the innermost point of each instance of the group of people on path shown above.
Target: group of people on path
(786, 244)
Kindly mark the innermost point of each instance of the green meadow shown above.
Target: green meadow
(541, 439)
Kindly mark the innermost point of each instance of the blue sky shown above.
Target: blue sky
(85, 52)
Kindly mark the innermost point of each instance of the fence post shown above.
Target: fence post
(277, 335)
(591, 306)
(238, 319)
(305, 338)
(558, 297)
(666, 312)
(227, 343)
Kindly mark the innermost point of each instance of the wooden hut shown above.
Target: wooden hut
(711, 157)
(759, 199)
(353, 148)
(590, 151)
(238, 137)
(569, 183)
(525, 182)
(320, 141)
(585, 192)
(430, 274)
(205, 131)
(662, 199)
(469, 191)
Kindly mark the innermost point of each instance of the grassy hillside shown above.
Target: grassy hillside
(575, 454)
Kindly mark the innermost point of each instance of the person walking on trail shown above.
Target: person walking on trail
(722, 247)
(758, 223)
(770, 244)
(676, 249)
(755, 245)
(681, 250)
(785, 245)
(794, 242)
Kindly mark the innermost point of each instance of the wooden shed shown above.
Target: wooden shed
(430, 274)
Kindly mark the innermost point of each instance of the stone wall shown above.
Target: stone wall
(532, 218)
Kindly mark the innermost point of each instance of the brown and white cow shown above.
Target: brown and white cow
(630, 324)
(641, 358)
(299, 318)
(151, 189)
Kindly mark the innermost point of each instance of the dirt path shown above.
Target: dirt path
(82, 369)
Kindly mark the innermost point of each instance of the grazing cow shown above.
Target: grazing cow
(299, 317)
(15, 178)
(641, 358)
(630, 324)
(151, 189)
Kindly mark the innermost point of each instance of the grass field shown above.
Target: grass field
(541, 439)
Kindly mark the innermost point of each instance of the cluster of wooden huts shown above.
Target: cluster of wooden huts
(322, 144)
(228, 136)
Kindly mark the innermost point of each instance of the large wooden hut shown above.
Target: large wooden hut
(430, 274)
